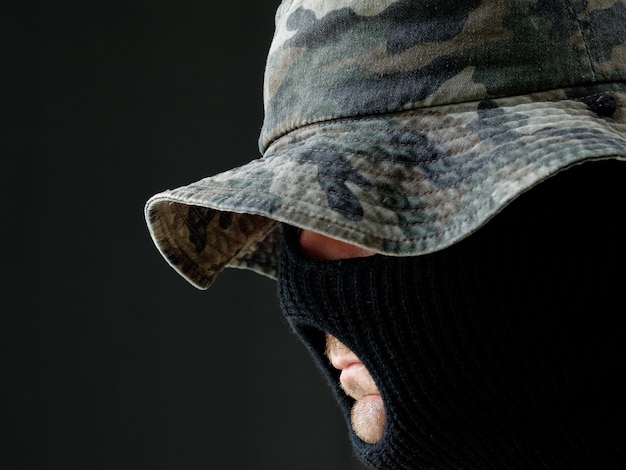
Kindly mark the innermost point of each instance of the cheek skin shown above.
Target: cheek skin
(318, 246)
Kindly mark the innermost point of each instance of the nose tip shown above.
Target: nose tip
(338, 353)
(342, 361)
(318, 246)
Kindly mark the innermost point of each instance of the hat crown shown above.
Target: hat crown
(349, 58)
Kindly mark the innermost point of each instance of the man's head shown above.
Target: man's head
(405, 129)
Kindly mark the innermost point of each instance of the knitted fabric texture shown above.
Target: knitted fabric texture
(504, 351)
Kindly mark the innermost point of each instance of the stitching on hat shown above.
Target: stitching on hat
(421, 112)
(572, 12)
(361, 119)
(395, 224)
(453, 228)
(294, 198)
(354, 228)
(453, 154)
(223, 190)
(594, 39)
(316, 187)
(365, 172)
(288, 147)
(474, 209)
(354, 154)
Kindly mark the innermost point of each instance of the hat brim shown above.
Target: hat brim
(400, 184)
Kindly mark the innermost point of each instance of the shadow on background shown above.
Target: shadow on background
(110, 360)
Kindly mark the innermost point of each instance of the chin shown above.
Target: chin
(368, 418)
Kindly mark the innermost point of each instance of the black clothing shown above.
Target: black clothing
(504, 351)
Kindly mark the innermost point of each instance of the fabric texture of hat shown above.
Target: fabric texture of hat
(404, 126)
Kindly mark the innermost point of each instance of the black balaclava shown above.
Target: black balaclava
(504, 351)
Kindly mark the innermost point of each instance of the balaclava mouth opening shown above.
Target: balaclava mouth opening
(503, 351)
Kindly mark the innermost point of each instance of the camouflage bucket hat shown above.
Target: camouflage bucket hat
(403, 126)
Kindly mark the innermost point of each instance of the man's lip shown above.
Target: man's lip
(356, 381)
(353, 368)
(352, 371)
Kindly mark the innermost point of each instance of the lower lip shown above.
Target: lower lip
(355, 369)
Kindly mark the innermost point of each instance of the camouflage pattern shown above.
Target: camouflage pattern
(403, 126)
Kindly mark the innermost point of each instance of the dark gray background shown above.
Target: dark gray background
(110, 360)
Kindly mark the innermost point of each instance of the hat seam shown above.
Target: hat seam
(574, 17)
(453, 154)
(435, 110)
(583, 119)
(594, 40)
(397, 115)
(381, 173)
